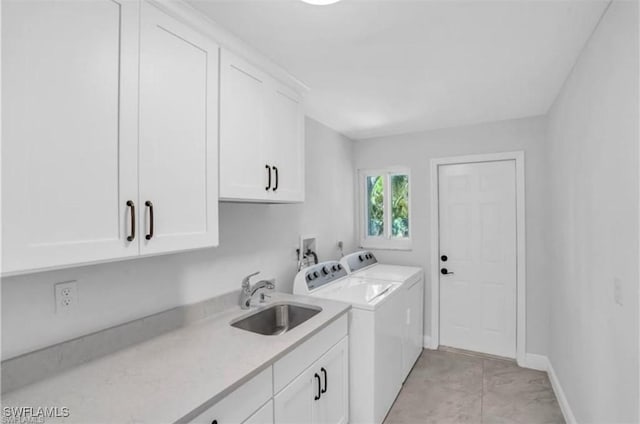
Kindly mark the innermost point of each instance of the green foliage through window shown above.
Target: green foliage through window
(400, 206)
(397, 186)
(375, 196)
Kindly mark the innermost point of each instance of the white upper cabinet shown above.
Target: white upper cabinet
(243, 155)
(111, 132)
(285, 138)
(261, 135)
(69, 135)
(178, 135)
(81, 157)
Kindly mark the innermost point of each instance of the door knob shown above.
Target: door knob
(445, 271)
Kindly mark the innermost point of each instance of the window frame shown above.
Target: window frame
(386, 241)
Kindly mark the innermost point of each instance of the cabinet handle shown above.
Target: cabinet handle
(150, 206)
(132, 209)
(317, 377)
(324, 372)
(268, 176)
(277, 179)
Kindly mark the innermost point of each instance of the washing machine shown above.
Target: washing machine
(375, 340)
(363, 264)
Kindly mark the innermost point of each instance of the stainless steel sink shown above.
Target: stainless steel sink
(277, 318)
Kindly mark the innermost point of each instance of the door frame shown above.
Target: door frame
(521, 283)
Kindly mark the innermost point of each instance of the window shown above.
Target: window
(385, 208)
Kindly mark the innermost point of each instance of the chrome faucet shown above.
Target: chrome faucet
(248, 290)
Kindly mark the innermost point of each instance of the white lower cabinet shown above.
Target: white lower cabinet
(263, 415)
(308, 385)
(333, 405)
(320, 393)
(297, 402)
(241, 404)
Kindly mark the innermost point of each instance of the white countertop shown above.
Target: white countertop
(166, 378)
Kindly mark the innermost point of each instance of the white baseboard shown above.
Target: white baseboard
(542, 363)
(562, 398)
(428, 343)
(535, 362)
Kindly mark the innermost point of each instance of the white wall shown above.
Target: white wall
(252, 237)
(593, 141)
(417, 149)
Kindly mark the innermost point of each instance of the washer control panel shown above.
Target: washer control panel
(359, 260)
(323, 273)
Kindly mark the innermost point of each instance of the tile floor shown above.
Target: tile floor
(447, 387)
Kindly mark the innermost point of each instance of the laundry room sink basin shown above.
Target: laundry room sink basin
(276, 319)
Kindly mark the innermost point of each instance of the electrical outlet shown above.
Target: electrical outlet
(66, 296)
(617, 291)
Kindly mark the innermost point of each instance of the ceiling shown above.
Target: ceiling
(379, 67)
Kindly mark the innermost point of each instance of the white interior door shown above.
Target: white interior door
(69, 136)
(477, 217)
(178, 135)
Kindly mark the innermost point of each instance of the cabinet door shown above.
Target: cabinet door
(69, 136)
(334, 403)
(243, 168)
(285, 132)
(178, 135)
(263, 415)
(413, 342)
(244, 403)
(297, 402)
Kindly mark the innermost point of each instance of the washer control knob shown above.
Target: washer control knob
(315, 274)
(325, 270)
(339, 267)
(361, 258)
(334, 268)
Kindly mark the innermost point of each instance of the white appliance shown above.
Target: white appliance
(364, 265)
(375, 322)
